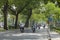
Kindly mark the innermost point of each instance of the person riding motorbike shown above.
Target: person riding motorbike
(34, 28)
(22, 27)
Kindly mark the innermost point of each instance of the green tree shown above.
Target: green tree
(20, 7)
(52, 10)
(4, 3)
(33, 4)
(28, 4)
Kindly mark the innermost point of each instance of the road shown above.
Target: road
(40, 34)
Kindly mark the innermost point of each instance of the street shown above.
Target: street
(40, 34)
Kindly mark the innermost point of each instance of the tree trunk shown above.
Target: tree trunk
(16, 21)
(5, 9)
(5, 21)
(13, 21)
(27, 20)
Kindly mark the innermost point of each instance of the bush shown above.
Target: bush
(56, 28)
(11, 27)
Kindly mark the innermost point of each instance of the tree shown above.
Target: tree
(20, 8)
(28, 17)
(1, 16)
(4, 4)
(57, 14)
(58, 3)
(5, 9)
(23, 4)
(33, 4)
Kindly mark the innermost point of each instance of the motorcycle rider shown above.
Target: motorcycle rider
(33, 27)
(22, 27)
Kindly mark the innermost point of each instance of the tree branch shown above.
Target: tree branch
(20, 10)
(14, 12)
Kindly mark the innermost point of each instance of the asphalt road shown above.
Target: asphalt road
(40, 34)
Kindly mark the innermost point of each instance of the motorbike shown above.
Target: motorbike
(33, 30)
(22, 30)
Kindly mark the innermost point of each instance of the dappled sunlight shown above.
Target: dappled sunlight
(7, 35)
(29, 19)
(23, 34)
(2, 32)
(39, 34)
(55, 36)
(7, 39)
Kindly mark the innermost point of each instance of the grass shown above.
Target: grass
(57, 29)
(2, 30)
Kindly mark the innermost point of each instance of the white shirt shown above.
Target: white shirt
(21, 25)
